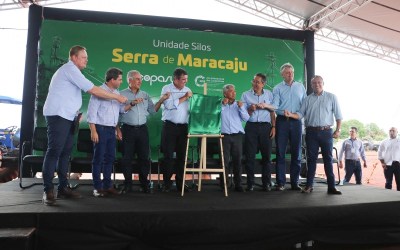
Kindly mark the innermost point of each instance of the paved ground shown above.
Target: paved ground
(372, 176)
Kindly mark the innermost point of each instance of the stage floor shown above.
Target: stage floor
(362, 216)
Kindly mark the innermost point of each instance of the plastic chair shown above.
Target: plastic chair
(32, 163)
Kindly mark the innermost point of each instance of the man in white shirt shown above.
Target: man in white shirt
(389, 155)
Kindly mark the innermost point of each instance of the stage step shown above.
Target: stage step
(17, 238)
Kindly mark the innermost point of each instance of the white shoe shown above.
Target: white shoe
(98, 193)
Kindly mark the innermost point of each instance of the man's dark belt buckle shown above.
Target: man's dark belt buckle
(319, 128)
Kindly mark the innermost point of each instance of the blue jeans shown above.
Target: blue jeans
(60, 143)
(314, 140)
(288, 130)
(103, 157)
(352, 166)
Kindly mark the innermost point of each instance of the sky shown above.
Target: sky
(365, 86)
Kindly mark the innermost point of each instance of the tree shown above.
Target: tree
(346, 125)
(375, 133)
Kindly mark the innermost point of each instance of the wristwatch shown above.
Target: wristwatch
(132, 104)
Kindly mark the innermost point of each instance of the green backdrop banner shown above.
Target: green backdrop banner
(213, 58)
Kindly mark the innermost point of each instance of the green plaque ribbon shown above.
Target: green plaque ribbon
(205, 114)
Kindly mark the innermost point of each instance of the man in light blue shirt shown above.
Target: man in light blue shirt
(260, 129)
(318, 110)
(102, 116)
(134, 132)
(60, 109)
(353, 150)
(175, 117)
(288, 95)
(233, 113)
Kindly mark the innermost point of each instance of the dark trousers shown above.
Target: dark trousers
(257, 137)
(314, 140)
(353, 167)
(288, 130)
(135, 140)
(60, 143)
(394, 169)
(103, 157)
(174, 139)
(233, 151)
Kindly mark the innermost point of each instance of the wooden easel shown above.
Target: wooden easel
(203, 160)
(203, 157)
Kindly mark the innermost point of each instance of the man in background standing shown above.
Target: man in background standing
(353, 150)
(389, 156)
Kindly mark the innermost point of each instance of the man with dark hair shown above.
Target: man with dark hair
(60, 109)
(353, 150)
(175, 117)
(259, 130)
(102, 116)
(134, 132)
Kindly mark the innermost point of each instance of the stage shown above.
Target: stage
(363, 217)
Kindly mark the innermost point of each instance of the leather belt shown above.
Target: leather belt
(231, 134)
(135, 126)
(176, 124)
(319, 128)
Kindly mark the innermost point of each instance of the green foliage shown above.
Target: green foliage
(376, 133)
(369, 131)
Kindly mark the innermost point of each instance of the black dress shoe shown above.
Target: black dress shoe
(166, 189)
(334, 191)
(126, 189)
(186, 188)
(307, 190)
(296, 188)
(239, 189)
(250, 188)
(68, 193)
(48, 198)
(266, 188)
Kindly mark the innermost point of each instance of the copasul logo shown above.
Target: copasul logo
(156, 78)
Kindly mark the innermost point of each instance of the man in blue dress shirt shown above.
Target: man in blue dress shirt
(259, 130)
(175, 117)
(134, 132)
(102, 116)
(353, 150)
(60, 109)
(233, 113)
(288, 95)
(318, 110)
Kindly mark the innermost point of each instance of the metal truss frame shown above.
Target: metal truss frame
(318, 23)
(18, 4)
